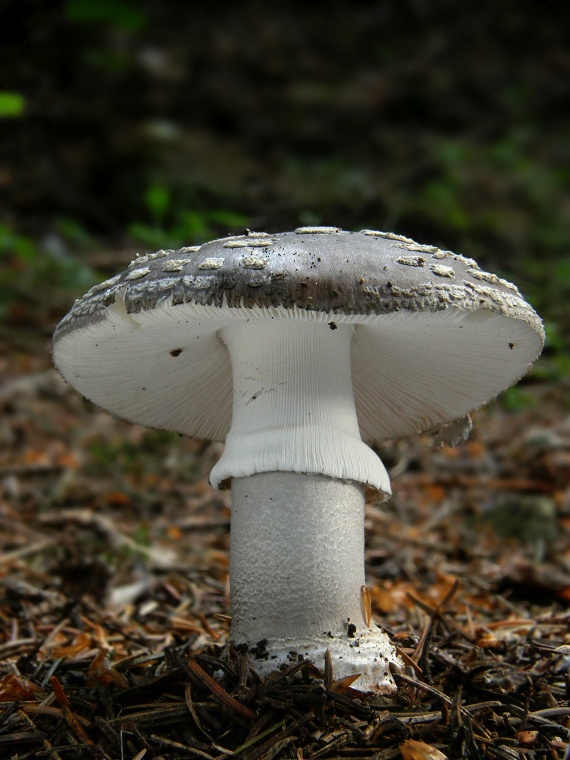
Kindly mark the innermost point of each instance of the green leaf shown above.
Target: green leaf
(158, 200)
(11, 104)
(228, 218)
(148, 236)
(121, 13)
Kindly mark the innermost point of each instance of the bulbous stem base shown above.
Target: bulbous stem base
(370, 653)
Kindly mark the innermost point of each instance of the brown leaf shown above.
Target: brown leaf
(80, 643)
(343, 684)
(414, 750)
(14, 688)
(527, 737)
(100, 674)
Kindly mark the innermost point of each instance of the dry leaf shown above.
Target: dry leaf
(100, 674)
(80, 643)
(413, 750)
(14, 688)
(343, 684)
(527, 737)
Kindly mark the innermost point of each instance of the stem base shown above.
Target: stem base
(369, 653)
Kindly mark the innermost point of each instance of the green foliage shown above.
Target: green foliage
(173, 228)
(142, 535)
(506, 207)
(47, 270)
(73, 233)
(22, 247)
(122, 455)
(131, 462)
(158, 200)
(119, 13)
(110, 62)
(319, 184)
(503, 187)
(555, 340)
(133, 458)
(517, 399)
(554, 365)
(443, 195)
(11, 104)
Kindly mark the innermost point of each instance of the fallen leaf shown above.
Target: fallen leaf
(80, 643)
(14, 688)
(174, 532)
(100, 674)
(343, 684)
(527, 737)
(414, 750)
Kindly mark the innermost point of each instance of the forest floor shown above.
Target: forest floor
(114, 591)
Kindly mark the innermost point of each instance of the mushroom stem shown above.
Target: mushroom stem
(293, 403)
(296, 577)
(297, 465)
(297, 556)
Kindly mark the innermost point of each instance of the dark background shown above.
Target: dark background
(156, 124)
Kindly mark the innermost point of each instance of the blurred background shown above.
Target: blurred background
(131, 125)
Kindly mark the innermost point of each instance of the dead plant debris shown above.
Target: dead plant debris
(114, 596)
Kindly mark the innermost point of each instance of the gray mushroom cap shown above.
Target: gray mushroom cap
(435, 336)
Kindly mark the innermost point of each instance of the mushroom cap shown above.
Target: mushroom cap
(435, 336)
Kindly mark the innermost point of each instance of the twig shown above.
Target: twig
(160, 714)
(30, 470)
(26, 551)
(550, 712)
(256, 739)
(192, 711)
(11, 647)
(177, 745)
(262, 752)
(199, 675)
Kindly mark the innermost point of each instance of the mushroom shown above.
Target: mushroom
(300, 350)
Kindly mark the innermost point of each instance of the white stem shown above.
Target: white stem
(293, 404)
(297, 556)
(297, 462)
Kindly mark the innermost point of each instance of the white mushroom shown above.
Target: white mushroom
(336, 342)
